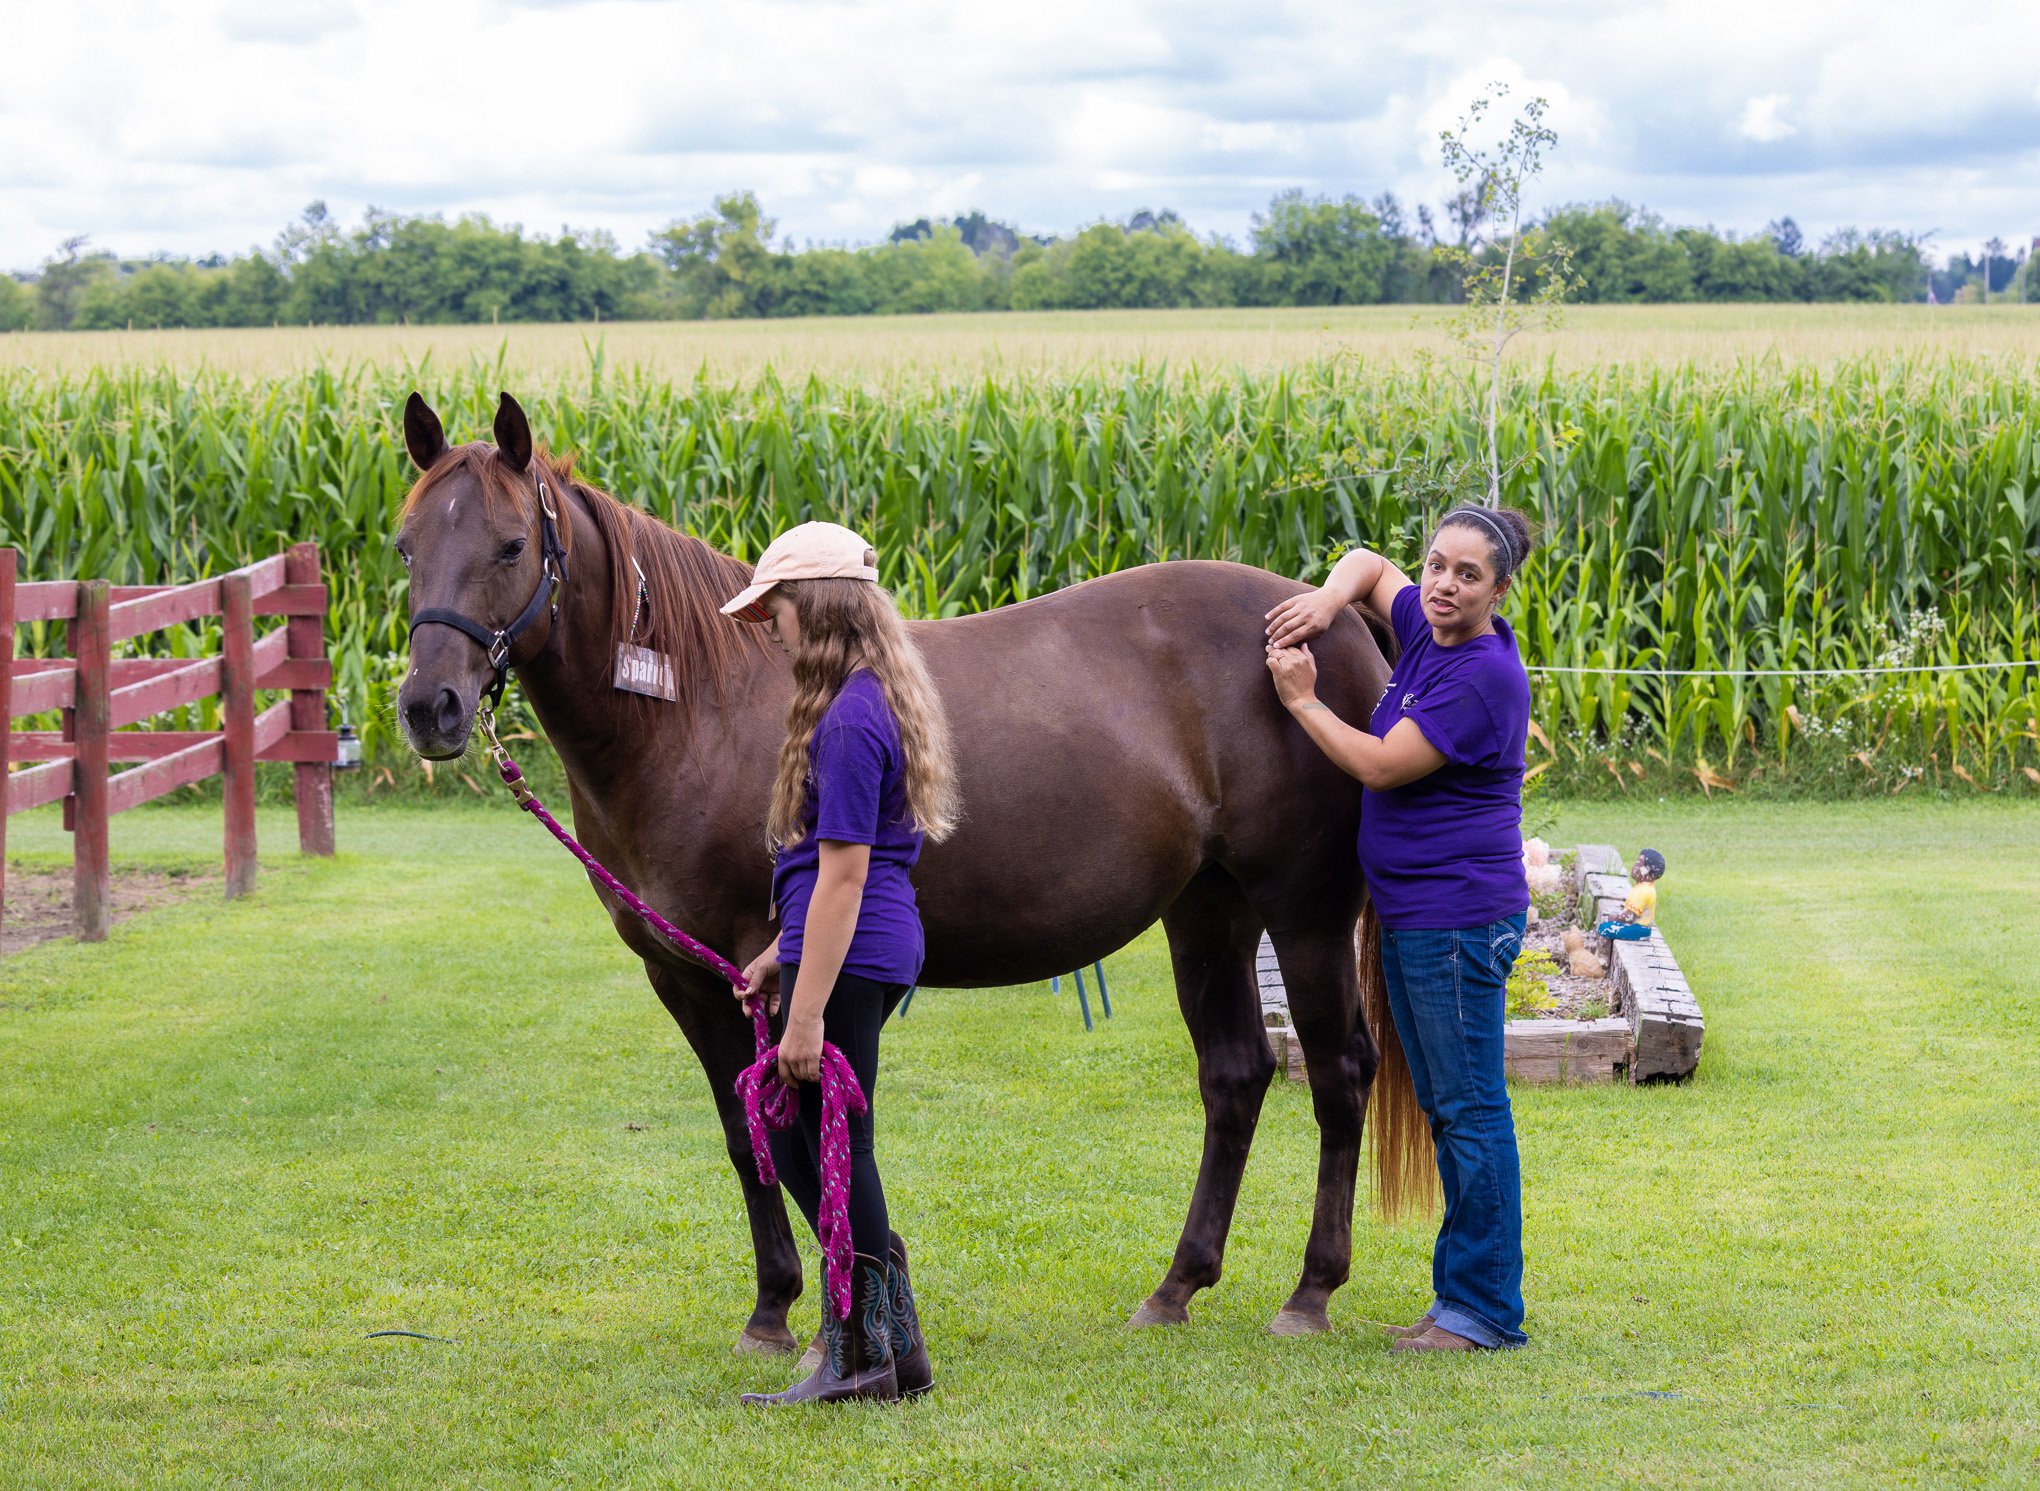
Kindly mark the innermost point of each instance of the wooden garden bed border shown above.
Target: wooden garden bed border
(1655, 1028)
(1654, 1032)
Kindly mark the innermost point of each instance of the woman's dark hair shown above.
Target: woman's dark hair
(1509, 536)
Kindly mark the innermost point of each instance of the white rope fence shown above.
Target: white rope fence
(1791, 672)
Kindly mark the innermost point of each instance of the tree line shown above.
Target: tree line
(1303, 250)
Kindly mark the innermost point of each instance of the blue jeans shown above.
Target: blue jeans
(1446, 992)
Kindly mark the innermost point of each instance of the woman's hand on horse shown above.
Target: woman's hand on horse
(1302, 617)
(761, 977)
(1295, 673)
(800, 1050)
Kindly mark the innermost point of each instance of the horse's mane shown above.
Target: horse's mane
(685, 580)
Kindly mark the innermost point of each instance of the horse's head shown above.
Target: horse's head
(481, 536)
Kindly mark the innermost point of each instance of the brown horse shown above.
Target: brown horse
(1122, 758)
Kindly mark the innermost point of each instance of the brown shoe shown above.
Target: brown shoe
(1401, 1332)
(857, 1354)
(1435, 1337)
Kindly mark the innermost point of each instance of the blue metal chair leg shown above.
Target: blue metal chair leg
(908, 1000)
(1055, 983)
(1104, 995)
(1083, 1001)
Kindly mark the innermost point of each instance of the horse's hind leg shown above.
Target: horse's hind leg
(1320, 973)
(1212, 936)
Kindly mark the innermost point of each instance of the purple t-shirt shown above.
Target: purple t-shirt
(1447, 850)
(857, 794)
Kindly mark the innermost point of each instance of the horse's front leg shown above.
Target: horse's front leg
(720, 1033)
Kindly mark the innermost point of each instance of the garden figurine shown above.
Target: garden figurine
(1639, 907)
(1580, 962)
(865, 776)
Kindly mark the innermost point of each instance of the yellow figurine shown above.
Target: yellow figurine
(1639, 907)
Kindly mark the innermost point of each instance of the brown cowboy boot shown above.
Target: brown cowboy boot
(910, 1349)
(1403, 1331)
(857, 1354)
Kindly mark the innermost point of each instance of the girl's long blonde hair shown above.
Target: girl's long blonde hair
(845, 624)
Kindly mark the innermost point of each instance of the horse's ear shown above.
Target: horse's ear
(513, 434)
(422, 433)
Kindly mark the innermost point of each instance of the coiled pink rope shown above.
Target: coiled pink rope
(772, 1104)
(769, 1103)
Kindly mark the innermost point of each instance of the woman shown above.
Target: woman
(865, 775)
(1440, 842)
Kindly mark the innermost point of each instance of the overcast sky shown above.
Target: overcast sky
(206, 125)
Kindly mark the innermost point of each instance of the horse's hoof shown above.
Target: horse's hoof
(1290, 1321)
(810, 1360)
(758, 1342)
(1152, 1313)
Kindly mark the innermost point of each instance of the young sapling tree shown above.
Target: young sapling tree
(1494, 255)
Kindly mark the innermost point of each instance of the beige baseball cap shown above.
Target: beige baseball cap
(813, 551)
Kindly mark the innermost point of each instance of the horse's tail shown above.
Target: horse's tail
(1405, 1166)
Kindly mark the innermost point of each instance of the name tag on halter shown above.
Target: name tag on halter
(639, 670)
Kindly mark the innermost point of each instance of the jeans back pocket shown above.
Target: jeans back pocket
(1505, 941)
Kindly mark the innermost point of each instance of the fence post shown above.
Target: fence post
(237, 729)
(306, 638)
(6, 707)
(90, 721)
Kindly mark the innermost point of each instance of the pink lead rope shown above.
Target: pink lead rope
(769, 1103)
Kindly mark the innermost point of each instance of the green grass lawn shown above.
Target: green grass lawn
(423, 1088)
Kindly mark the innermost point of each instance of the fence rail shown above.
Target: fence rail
(99, 695)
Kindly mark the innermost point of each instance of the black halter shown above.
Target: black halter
(497, 644)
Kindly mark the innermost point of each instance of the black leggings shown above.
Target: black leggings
(850, 1022)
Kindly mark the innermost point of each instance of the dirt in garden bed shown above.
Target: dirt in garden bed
(38, 905)
(1575, 995)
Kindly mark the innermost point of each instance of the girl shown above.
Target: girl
(865, 776)
(1440, 842)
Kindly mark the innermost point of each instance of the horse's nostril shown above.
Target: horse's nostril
(449, 711)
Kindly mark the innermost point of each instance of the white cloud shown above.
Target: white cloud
(1578, 119)
(286, 21)
(1763, 121)
(208, 125)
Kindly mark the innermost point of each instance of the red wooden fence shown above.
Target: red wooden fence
(99, 693)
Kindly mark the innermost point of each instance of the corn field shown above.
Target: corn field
(1879, 511)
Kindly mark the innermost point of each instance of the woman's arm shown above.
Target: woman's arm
(831, 923)
(1361, 578)
(1401, 758)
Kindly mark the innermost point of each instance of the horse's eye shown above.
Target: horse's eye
(405, 555)
(511, 552)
